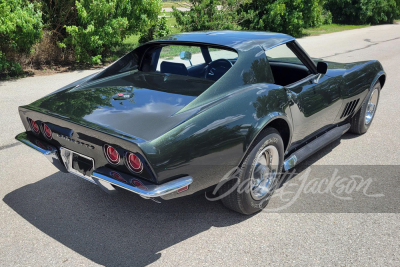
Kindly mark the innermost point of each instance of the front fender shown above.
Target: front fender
(361, 77)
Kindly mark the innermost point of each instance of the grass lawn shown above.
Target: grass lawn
(330, 28)
(169, 4)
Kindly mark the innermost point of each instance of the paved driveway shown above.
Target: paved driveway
(52, 219)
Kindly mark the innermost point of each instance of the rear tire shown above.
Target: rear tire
(362, 120)
(255, 181)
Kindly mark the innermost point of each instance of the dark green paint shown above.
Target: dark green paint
(197, 127)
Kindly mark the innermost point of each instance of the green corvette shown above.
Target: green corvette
(205, 111)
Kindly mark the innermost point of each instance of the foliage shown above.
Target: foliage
(363, 11)
(155, 30)
(103, 24)
(57, 14)
(327, 17)
(205, 15)
(312, 13)
(285, 16)
(20, 28)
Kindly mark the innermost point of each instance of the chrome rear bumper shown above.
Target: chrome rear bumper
(100, 176)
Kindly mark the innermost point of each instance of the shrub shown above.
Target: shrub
(20, 29)
(363, 11)
(205, 15)
(57, 14)
(286, 16)
(312, 13)
(103, 24)
(326, 17)
(155, 30)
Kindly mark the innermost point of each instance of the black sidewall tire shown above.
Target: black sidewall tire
(358, 125)
(247, 204)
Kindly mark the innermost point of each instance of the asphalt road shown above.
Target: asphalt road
(53, 219)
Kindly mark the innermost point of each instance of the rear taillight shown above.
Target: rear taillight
(133, 162)
(47, 131)
(111, 154)
(34, 126)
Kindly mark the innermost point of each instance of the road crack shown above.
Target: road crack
(362, 48)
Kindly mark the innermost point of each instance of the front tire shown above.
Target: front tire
(361, 122)
(257, 177)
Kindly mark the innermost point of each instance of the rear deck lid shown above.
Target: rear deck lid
(140, 104)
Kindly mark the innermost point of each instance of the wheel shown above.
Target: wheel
(256, 179)
(363, 118)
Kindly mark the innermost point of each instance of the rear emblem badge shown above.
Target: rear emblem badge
(75, 141)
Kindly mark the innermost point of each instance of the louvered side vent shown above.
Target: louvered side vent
(349, 108)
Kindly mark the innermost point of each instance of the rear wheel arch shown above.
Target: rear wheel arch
(279, 123)
(282, 126)
(382, 80)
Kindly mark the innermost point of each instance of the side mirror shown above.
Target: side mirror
(322, 67)
(186, 55)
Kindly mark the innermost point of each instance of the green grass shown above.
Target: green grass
(329, 28)
(169, 4)
(171, 22)
(172, 51)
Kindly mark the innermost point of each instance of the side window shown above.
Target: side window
(171, 53)
(216, 53)
(286, 67)
(282, 53)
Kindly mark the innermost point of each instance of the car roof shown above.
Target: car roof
(238, 40)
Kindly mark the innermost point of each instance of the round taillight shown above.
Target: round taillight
(47, 131)
(111, 154)
(34, 126)
(133, 162)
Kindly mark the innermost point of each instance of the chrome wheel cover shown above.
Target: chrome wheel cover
(371, 106)
(265, 172)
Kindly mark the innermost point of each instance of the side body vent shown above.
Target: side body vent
(349, 108)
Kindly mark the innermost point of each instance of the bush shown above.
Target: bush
(312, 13)
(326, 17)
(20, 29)
(204, 15)
(285, 16)
(156, 30)
(363, 11)
(57, 14)
(103, 24)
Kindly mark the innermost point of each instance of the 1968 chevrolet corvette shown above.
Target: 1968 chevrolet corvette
(174, 116)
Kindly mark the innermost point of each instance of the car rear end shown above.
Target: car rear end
(100, 155)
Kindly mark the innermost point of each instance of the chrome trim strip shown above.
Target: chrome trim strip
(290, 163)
(153, 190)
(50, 153)
(98, 178)
(23, 138)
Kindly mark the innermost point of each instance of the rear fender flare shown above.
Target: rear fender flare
(258, 134)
